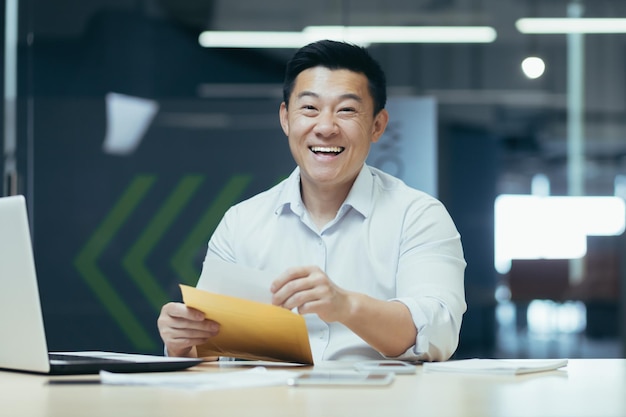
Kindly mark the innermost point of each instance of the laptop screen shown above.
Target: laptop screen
(22, 332)
(20, 307)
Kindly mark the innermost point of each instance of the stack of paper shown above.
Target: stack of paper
(497, 366)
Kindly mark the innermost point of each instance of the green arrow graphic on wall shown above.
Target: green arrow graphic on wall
(151, 236)
(182, 262)
(87, 263)
(133, 262)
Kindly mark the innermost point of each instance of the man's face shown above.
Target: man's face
(330, 125)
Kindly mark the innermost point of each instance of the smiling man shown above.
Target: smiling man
(375, 267)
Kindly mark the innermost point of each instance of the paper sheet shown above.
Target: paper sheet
(255, 377)
(496, 366)
(251, 330)
(227, 278)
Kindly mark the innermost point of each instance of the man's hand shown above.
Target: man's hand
(386, 325)
(182, 328)
(311, 291)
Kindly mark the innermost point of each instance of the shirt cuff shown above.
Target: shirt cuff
(420, 351)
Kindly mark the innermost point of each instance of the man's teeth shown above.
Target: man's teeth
(327, 149)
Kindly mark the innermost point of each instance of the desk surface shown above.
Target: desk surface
(586, 387)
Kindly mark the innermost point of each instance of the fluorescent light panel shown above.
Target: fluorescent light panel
(571, 25)
(250, 39)
(362, 35)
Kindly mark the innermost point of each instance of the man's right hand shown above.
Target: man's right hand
(182, 328)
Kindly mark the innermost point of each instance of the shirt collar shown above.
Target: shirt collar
(289, 197)
(359, 197)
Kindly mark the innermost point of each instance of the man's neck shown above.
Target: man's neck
(323, 203)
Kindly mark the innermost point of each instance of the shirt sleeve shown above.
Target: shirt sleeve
(430, 282)
(221, 244)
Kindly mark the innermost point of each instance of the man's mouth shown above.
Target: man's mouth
(327, 150)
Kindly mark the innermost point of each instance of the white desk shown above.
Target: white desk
(586, 387)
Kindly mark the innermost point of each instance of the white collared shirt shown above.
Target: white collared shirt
(388, 241)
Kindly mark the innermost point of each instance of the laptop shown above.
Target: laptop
(23, 343)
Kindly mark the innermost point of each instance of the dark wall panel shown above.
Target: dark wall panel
(467, 187)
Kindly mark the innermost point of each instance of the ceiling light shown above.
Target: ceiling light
(571, 25)
(361, 35)
(250, 39)
(533, 67)
(404, 34)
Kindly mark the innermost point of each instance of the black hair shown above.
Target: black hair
(337, 55)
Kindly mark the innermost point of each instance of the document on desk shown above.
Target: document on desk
(496, 366)
(255, 377)
(249, 329)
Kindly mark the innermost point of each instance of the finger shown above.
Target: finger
(177, 340)
(206, 326)
(288, 276)
(180, 310)
(290, 282)
(293, 293)
(300, 299)
(171, 328)
(189, 334)
(183, 346)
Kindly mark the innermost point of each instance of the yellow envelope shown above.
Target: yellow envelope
(249, 329)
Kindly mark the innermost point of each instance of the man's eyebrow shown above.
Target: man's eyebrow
(347, 96)
(351, 96)
(307, 94)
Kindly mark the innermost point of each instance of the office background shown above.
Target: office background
(117, 225)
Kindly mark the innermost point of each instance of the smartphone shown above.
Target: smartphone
(385, 366)
(340, 378)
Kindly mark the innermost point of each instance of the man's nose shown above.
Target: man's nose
(326, 124)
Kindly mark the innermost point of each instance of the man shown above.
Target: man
(375, 267)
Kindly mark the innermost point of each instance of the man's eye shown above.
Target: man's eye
(348, 110)
(309, 110)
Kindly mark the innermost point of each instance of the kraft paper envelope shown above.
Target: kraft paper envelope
(250, 329)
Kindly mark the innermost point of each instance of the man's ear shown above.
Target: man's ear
(380, 124)
(284, 119)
